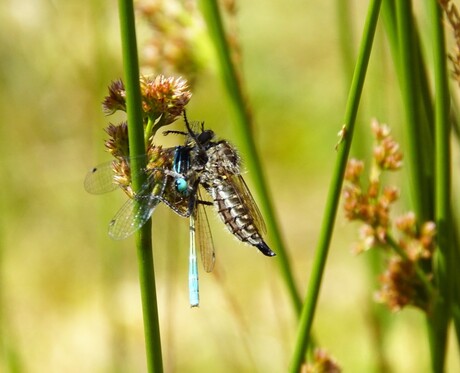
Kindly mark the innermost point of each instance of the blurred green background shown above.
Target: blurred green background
(69, 295)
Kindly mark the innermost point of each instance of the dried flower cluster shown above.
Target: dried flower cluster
(387, 155)
(174, 35)
(322, 363)
(453, 17)
(176, 43)
(117, 145)
(116, 100)
(163, 100)
(401, 286)
(418, 243)
(371, 205)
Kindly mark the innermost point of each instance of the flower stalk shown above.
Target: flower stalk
(136, 150)
(243, 122)
(309, 306)
(439, 320)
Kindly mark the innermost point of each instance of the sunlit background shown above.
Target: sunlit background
(69, 295)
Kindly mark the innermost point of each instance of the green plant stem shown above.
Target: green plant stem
(137, 149)
(438, 321)
(424, 106)
(389, 19)
(408, 68)
(319, 263)
(345, 34)
(232, 84)
(456, 283)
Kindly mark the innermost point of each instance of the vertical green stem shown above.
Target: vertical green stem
(137, 148)
(345, 34)
(210, 10)
(438, 321)
(319, 263)
(424, 104)
(455, 300)
(419, 185)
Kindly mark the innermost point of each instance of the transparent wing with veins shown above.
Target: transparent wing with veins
(248, 200)
(136, 211)
(203, 235)
(133, 215)
(101, 179)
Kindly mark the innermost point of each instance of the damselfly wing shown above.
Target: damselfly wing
(139, 208)
(158, 187)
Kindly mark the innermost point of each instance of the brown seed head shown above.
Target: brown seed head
(387, 154)
(164, 98)
(401, 287)
(117, 144)
(116, 100)
(322, 363)
(354, 170)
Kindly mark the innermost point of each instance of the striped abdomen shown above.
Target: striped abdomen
(236, 215)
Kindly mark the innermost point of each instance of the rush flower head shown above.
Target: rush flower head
(369, 237)
(427, 237)
(418, 243)
(453, 17)
(117, 144)
(372, 205)
(400, 286)
(164, 98)
(173, 37)
(387, 155)
(354, 170)
(122, 175)
(116, 100)
(407, 224)
(322, 363)
(403, 283)
(157, 159)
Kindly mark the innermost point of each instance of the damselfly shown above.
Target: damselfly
(200, 233)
